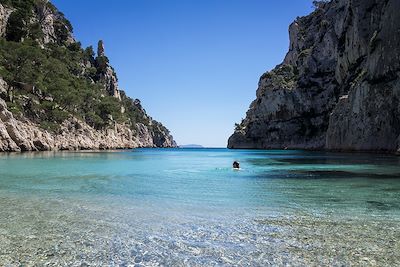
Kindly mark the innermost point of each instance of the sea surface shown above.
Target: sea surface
(188, 207)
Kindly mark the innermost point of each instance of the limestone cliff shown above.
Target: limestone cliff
(55, 95)
(4, 15)
(338, 87)
(106, 74)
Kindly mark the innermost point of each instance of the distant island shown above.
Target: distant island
(191, 146)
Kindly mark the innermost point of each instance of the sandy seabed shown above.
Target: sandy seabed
(36, 231)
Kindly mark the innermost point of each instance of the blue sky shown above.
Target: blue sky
(194, 64)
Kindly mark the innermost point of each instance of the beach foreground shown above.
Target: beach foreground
(188, 207)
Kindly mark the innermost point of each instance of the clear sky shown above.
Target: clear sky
(194, 64)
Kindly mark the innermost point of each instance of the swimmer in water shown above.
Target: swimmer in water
(236, 165)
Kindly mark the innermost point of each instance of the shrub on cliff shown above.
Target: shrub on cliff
(57, 72)
(54, 71)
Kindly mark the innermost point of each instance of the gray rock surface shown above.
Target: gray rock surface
(107, 75)
(51, 24)
(338, 86)
(4, 15)
(23, 135)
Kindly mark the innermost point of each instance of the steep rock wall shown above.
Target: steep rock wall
(338, 86)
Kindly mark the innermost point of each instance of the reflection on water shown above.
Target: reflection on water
(187, 207)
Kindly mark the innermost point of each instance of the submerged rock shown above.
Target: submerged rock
(338, 87)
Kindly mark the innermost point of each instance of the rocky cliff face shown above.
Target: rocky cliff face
(74, 134)
(4, 15)
(106, 74)
(338, 87)
(38, 20)
(54, 27)
(23, 135)
(54, 95)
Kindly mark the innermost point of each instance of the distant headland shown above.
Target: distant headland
(191, 146)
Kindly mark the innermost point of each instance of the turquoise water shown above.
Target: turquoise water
(180, 207)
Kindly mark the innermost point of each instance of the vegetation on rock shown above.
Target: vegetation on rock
(52, 78)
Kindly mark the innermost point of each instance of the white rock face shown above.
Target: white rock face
(23, 135)
(109, 79)
(17, 135)
(3, 87)
(107, 76)
(48, 20)
(338, 87)
(4, 15)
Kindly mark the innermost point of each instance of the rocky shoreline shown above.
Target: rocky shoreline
(23, 135)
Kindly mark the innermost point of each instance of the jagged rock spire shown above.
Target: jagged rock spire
(100, 48)
(107, 75)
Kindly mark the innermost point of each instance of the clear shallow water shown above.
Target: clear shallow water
(177, 207)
